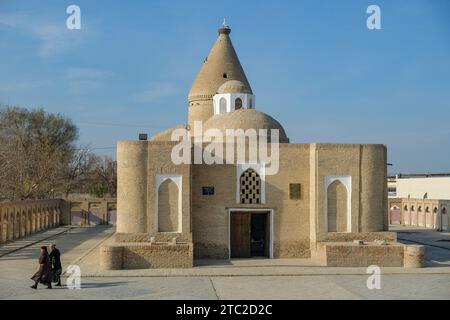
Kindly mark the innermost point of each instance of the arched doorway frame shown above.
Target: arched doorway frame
(347, 182)
(178, 181)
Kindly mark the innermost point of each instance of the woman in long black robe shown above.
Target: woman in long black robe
(44, 273)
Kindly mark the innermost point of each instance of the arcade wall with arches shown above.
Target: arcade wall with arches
(22, 218)
(420, 213)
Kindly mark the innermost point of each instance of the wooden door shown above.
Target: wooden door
(240, 234)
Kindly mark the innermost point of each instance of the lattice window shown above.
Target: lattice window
(250, 183)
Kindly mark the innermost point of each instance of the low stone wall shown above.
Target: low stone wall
(146, 256)
(348, 254)
(22, 218)
(291, 249)
(156, 237)
(365, 236)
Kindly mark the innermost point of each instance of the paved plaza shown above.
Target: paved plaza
(238, 279)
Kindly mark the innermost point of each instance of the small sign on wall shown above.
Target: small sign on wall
(294, 191)
(207, 191)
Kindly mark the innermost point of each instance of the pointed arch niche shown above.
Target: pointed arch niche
(168, 203)
(338, 200)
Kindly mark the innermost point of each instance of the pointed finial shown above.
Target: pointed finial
(225, 29)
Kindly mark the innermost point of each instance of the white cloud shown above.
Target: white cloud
(157, 92)
(54, 38)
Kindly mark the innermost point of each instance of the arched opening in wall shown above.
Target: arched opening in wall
(337, 207)
(5, 222)
(238, 104)
(428, 217)
(168, 206)
(250, 187)
(38, 219)
(250, 103)
(12, 225)
(420, 216)
(47, 218)
(222, 106)
(58, 216)
(435, 217)
(54, 216)
(17, 225)
(413, 216)
(76, 213)
(444, 220)
(395, 215)
(406, 216)
(22, 224)
(29, 221)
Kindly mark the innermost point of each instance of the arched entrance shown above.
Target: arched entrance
(395, 215)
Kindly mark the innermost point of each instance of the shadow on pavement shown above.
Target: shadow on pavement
(71, 240)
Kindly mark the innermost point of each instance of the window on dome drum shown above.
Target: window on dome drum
(250, 183)
(222, 106)
(225, 76)
(238, 104)
(294, 191)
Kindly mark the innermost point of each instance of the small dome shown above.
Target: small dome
(166, 134)
(246, 119)
(234, 86)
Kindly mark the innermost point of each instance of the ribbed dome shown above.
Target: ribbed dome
(234, 86)
(245, 119)
(221, 65)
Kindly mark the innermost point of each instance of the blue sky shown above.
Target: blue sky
(313, 65)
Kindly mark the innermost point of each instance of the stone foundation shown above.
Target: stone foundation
(348, 254)
(292, 249)
(210, 251)
(146, 256)
(414, 256)
(365, 236)
(111, 257)
(152, 237)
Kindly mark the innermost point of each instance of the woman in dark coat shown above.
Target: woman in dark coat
(44, 274)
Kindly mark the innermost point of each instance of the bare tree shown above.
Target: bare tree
(39, 159)
(103, 179)
(36, 148)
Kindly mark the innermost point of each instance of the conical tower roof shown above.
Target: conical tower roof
(221, 65)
